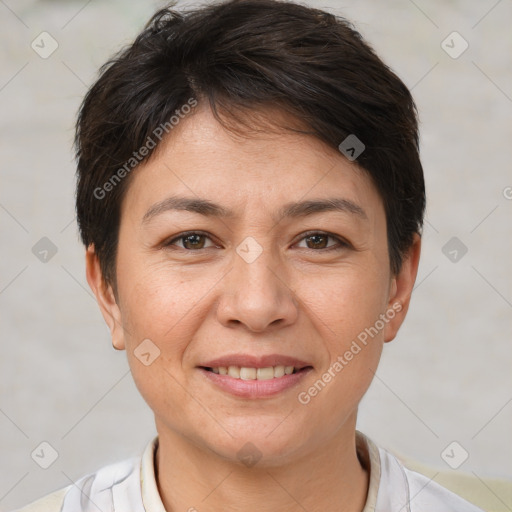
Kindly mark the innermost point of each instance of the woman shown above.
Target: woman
(250, 196)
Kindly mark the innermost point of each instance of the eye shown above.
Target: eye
(319, 240)
(192, 240)
(196, 240)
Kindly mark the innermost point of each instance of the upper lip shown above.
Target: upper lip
(250, 361)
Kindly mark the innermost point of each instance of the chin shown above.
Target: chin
(255, 443)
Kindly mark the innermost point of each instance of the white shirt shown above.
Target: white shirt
(130, 486)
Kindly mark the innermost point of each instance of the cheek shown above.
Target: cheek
(159, 306)
(167, 306)
(347, 307)
(345, 302)
(352, 351)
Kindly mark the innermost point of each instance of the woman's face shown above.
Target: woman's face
(260, 280)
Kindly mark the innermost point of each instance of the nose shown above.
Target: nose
(256, 294)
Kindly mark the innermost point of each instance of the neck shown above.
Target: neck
(329, 478)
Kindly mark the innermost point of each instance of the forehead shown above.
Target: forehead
(265, 169)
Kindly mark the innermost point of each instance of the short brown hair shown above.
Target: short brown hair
(245, 55)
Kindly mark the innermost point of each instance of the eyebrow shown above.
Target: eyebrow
(291, 210)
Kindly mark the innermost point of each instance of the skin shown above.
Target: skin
(297, 298)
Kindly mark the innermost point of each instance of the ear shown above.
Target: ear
(105, 297)
(400, 290)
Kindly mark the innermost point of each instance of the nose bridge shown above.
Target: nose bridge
(255, 293)
(254, 269)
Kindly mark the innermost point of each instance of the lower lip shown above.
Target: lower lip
(255, 388)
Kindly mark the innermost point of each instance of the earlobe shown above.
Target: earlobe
(401, 288)
(105, 298)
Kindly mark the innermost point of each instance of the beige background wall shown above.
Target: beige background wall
(446, 378)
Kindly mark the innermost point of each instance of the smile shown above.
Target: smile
(254, 383)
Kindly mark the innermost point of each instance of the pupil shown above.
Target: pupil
(193, 239)
(315, 238)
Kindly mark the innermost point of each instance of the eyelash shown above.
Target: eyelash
(342, 244)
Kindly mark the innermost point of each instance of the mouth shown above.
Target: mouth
(255, 377)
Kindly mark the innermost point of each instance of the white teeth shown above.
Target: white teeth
(265, 373)
(245, 373)
(279, 371)
(234, 371)
(248, 373)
